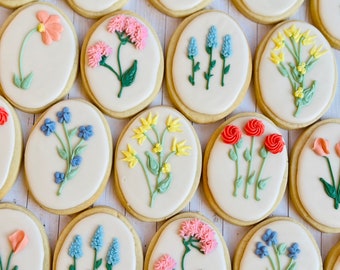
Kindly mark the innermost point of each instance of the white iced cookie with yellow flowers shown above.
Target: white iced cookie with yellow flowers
(295, 74)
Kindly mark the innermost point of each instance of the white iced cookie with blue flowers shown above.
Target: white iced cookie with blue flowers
(68, 157)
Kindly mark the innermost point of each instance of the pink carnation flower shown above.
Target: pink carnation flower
(96, 52)
(166, 262)
(116, 23)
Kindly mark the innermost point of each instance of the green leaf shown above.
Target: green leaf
(164, 185)
(232, 155)
(226, 69)
(292, 266)
(26, 82)
(108, 266)
(239, 144)
(152, 163)
(15, 268)
(213, 63)
(238, 182)
(281, 248)
(263, 152)
(262, 183)
(79, 150)
(329, 189)
(191, 80)
(247, 155)
(129, 75)
(16, 81)
(197, 67)
(251, 178)
(62, 153)
(99, 263)
(282, 70)
(72, 132)
(207, 76)
(72, 173)
(71, 267)
(308, 94)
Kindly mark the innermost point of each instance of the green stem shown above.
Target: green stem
(250, 165)
(22, 48)
(258, 178)
(222, 75)
(169, 156)
(110, 68)
(291, 51)
(272, 263)
(187, 250)
(147, 179)
(193, 69)
(297, 111)
(94, 260)
(75, 263)
(9, 260)
(1, 267)
(290, 263)
(149, 139)
(277, 257)
(209, 69)
(330, 170)
(120, 70)
(237, 171)
(296, 53)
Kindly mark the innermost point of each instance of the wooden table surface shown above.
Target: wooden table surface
(165, 26)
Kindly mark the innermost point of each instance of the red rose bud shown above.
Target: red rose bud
(231, 134)
(274, 143)
(254, 128)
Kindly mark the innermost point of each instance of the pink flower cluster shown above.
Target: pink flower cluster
(166, 262)
(96, 52)
(201, 231)
(136, 32)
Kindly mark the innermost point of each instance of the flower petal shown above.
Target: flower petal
(42, 16)
(18, 240)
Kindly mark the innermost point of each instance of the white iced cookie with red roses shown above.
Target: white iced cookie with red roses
(43, 63)
(14, 3)
(332, 261)
(122, 64)
(208, 66)
(245, 169)
(99, 237)
(267, 12)
(187, 241)
(295, 74)
(23, 240)
(278, 243)
(316, 192)
(11, 145)
(157, 164)
(68, 157)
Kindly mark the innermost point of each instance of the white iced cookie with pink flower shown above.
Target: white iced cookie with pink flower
(316, 192)
(43, 62)
(187, 241)
(122, 64)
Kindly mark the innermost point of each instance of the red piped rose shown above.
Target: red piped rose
(274, 143)
(254, 128)
(3, 116)
(231, 134)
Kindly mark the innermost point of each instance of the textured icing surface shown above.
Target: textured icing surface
(42, 159)
(288, 233)
(51, 65)
(211, 101)
(221, 173)
(270, 8)
(330, 17)
(95, 5)
(179, 4)
(281, 100)
(112, 227)
(32, 256)
(310, 189)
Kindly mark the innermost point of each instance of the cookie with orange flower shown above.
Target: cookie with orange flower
(23, 240)
(122, 64)
(245, 169)
(314, 175)
(157, 164)
(11, 144)
(42, 65)
(295, 74)
(187, 241)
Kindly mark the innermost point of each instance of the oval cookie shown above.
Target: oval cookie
(278, 243)
(245, 169)
(208, 66)
(187, 241)
(122, 64)
(14, 3)
(23, 240)
(11, 145)
(42, 65)
(315, 192)
(101, 237)
(295, 74)
(68, 157)
(267, 12)
(325, 15)
(332, 261)
(157, 164)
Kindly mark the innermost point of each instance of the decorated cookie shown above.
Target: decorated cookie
(278, 243)
(68, 157)
(157, 164)
(95, 9)
(267, 12)
(122, 64)
(245, 169)
(11, 145)
(23, 240)
(178, 8)
(42, 65)
(316, 192)
(332, 261)
(99, 238)
(208, 66)
(14, 3)
(295, 74)
(187, 241)
(326, 17)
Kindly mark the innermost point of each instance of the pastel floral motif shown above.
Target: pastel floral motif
(226, 52)
(75, 251)
(113, 254)
(270, 240)
(50, 28)
(97, 243)
(192, 53)
(68, 152)
(211, 44)
(18, 241)
(3, 116)
(129, 31)
(294, 41)
(332, 189)
(196, 235)
(157, 161)
(165, 262)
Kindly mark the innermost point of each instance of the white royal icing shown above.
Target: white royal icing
(217, 99)
(179, 5)
(329, 12)
(113, 227)
(310, 190)
(288, 233)
(42, 159)
(32, 256)
(184, 169)
(276, 90)
(52, 65)
(270, 8)
(94, 5)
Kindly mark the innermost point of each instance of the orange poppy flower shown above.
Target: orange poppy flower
(49, 27)
(18, 240)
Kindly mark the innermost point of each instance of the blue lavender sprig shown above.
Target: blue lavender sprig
(211, 43)
(75, 251)
(113, 254)
(225, 53)
(97, 242)
(192, 53)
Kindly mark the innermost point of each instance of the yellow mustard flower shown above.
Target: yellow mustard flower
(180, 148)
(316, 51)
(157, 148)
(299, 93)
(302, 68)
(173, 125)
(149, 121)
(139, 135)
(279, 41)
(130, 156)
(277, 58)
(307, 38)
(166, 168)
(291, 31)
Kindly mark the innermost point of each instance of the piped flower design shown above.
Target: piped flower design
(68, 152)
(50, 28)
(129, 31)
(3, 116)
(165, 262)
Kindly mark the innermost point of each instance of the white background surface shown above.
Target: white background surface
(165, 26)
